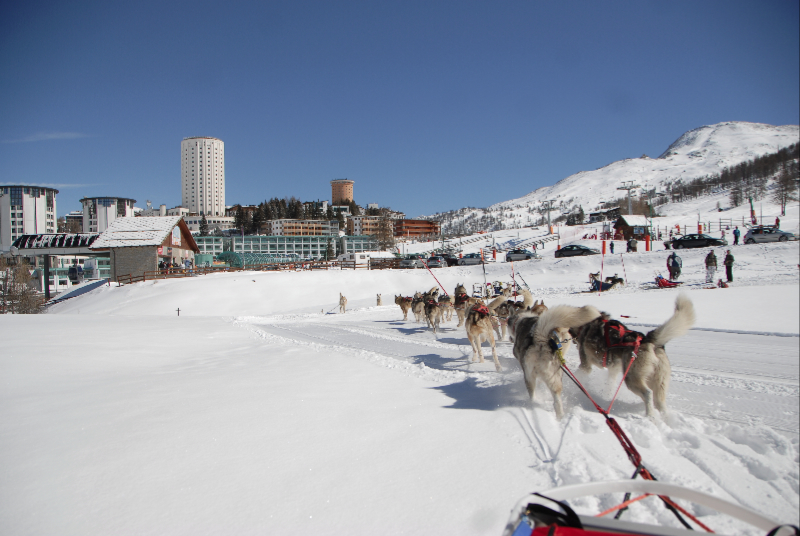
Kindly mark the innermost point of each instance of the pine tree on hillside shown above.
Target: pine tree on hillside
(204, 226)
(786, 187)
(329, 253)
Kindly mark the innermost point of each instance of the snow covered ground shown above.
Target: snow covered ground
(257, 411)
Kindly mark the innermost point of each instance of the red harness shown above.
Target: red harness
(461, 299)
(620, 328)
(481, 310)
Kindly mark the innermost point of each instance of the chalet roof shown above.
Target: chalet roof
(634, 220)
(60, 240)
(135, 232)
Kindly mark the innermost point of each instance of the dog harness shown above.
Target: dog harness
(619, 327)
(481, 310)
(461, 299)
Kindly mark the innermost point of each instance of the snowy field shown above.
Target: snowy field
(258, 411)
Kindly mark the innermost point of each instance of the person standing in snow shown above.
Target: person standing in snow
(736, 234)
(674, 265)
(728, 262)
(777, 222)
(711, 266)
(612, 247)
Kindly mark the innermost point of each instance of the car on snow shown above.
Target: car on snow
(766, 234)
(413, 261)
(521, 255)
(470, 258)
(451, 259)
(696, 241)
(437, 262)
(576, 251)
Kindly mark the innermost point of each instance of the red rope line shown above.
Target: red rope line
(630, 450)
(623, 505)
(437, 281)
(633, 358)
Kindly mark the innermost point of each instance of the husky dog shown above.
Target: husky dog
(614, 280)
(433, 312)
(380, 302)
(510, 307)
(479, 328)
(405, 305)
(342, 303)
(538, 307)
(418, 306)
(447, 308)
(461, 303)
(537, 339)
(649, 375)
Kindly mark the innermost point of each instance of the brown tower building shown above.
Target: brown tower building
(341, 191)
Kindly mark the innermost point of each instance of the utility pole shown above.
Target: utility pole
(548, 206)
(628, 185)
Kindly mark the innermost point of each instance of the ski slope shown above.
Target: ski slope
(256, 411)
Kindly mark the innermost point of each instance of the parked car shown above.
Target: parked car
(451, 259)
(696, 241)
(413, 261)
(437, 262)
(470, 258)
(766, 234)
(575, 251)
(521, 255)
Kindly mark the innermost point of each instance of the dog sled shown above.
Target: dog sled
(546, 513)
(599, 286)
(662, 282)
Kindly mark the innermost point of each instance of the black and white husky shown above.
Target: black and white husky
(540, 341)
(605, 342)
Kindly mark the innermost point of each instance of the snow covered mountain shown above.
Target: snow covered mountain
(698, 153)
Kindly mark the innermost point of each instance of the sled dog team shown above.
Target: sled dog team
(541, 337)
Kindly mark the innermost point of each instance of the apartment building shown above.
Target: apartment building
(25, 209)
(288, 227)
(100, 212)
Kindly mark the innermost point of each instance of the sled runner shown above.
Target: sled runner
(548, 513)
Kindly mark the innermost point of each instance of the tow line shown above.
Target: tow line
(630, 450)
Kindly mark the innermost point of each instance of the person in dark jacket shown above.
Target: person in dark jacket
(711, 266)
(728, 262)
(674, 265)
(612, 247)
(736, 234)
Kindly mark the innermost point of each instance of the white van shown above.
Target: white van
(363, 257)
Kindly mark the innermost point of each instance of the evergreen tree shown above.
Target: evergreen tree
(329, 252)
(786, 187)
(385, 234)
(257, 222)
(354, 210)
(329, 215)
(204, 226)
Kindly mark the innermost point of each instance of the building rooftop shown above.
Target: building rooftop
(137, 231)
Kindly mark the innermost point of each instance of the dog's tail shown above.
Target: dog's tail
(497, 302)
(527, 298)
(678, 324)
(563, 316)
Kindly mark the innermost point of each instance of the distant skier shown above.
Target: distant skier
(674, 265)
(711, 266)
(736, 234)
(728, 262)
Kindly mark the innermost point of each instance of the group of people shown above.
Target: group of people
(174, 265)
(675, 265)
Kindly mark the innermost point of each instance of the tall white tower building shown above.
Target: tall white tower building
(203, 176)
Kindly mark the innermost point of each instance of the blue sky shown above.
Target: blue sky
(427, 106)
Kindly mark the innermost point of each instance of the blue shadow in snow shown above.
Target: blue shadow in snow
(470, 395)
